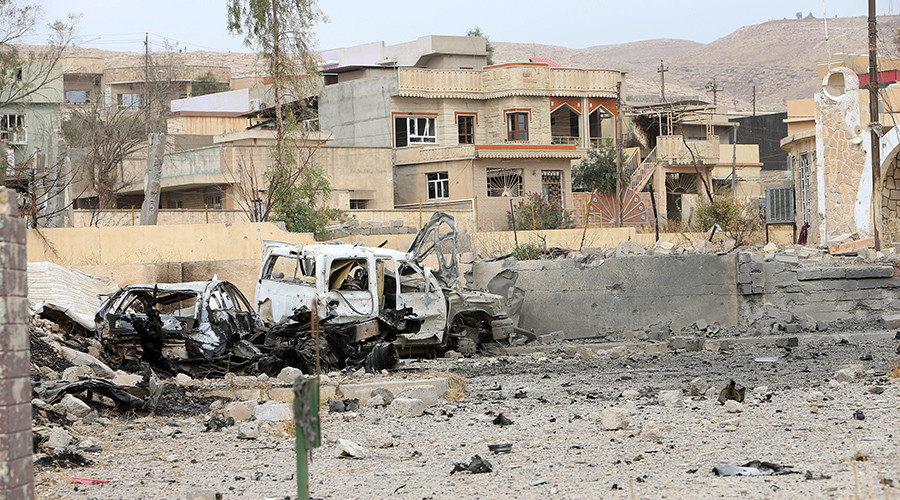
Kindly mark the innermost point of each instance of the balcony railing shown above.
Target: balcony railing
(566, 139)
(602, 142)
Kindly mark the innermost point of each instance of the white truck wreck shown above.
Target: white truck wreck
(384, 294)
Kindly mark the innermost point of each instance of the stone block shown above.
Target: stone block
(240, 411)
(787, 341)
(614, 418)
(274, 412)
(406, 407)
(248, 430)
(427, 393)
(362, 392)
(891, 321)
(75, 406)
(288, 374)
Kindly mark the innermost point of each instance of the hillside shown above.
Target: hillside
(780, 57)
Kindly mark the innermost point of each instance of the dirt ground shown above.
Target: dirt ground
(793, 414)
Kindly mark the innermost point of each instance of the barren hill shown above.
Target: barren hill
(780, 58)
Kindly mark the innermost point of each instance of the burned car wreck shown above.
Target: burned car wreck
(386, 295)
(322, 305)
(197, 326)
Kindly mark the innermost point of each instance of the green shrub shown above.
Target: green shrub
(527, 251)
(537, 212)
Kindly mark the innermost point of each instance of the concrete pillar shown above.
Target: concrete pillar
(584, 130)
(156, 151)
(16, 472)
(659, 190)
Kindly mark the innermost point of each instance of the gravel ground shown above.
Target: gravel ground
(793, 414)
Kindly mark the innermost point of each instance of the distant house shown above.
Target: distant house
(460, 133)
(830, 150)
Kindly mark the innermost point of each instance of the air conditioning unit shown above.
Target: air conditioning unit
(257, 105)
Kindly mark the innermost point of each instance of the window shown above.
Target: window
(12, 129)
(551, 182)
(517, 126)
(174, 199)
(130, 101)
(413, 130)
(438, 185)
(78, 96)
(504, 182)
(466, 125)
(359, 204)
(213, 199)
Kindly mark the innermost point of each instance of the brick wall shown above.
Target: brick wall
(16, 475)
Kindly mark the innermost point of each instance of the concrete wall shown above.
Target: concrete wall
(16, 473)
(643, 297)
(620, 295)
(139, 244)
(358, 112)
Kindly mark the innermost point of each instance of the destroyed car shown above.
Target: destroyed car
(174, 325)
(384, 294)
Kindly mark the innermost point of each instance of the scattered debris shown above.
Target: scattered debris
(812, 477)
(754, 468)
(86, 480)
(218, 422)
(500, 448)
(859, 415)
(502, 420)
(340, 406)
(476, 465)
(350, 449)
(732, 392)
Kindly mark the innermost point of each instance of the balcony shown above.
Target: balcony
(674, 150)
(525, 79)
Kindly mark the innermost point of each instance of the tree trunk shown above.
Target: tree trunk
(152, 179)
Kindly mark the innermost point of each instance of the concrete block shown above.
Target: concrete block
(288, 374)
(240, 411)
(396, 222)
(614, 418)
(787, 259)
(75, 406)
(274, 412)
(406, 407)
(891, 320)
(787, 341)
(427, 393)
(363, 392)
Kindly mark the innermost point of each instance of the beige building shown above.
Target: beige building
(461, 133)
(830, 146)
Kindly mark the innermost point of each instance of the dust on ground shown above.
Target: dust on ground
(793, 414)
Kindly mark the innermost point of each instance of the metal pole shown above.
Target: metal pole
(734, 158)
(512, 214)
(874, 124)
(619, 166)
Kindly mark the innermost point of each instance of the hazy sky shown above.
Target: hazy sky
(200, 24)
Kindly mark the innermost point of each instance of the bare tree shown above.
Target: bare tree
(26, 71)
(43, 183)
(105, 138)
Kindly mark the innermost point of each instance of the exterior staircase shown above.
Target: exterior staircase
(641, 171)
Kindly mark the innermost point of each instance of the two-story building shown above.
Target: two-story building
(463, 133)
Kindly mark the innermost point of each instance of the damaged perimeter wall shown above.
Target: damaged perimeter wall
(620, 295)
(647, 297)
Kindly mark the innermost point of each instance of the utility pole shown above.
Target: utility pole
(713, 87)
(147, 77)
(619, 161)
(753, 100)
(874, 126)
(662, 79)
